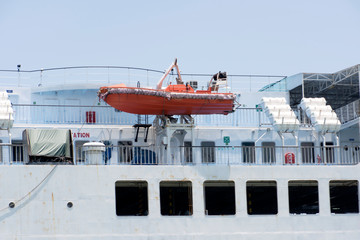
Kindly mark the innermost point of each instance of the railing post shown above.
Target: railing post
(337, 160)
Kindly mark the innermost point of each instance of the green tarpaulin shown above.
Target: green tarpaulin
(49, 142)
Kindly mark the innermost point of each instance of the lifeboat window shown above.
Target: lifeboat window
(307, 152)
(268, 152)
(176, 198)
(327, 153)
(344, 196)
(80, 154)
(248, 152)
(17, 151)
(131, 198)
(188, 152)
(303, 197)
(208, 152)
(125, 152)
(261, 197)
(219, 197)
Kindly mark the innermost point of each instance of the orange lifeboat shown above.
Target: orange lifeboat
(179, 99)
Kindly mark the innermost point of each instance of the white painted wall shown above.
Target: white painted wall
(91, 189)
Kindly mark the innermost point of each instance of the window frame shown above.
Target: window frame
(208, 154)
(164, 188)
(218, 184)
(302, 201)
(140, 184)
(263, 184)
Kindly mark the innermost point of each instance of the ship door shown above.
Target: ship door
(176, 143)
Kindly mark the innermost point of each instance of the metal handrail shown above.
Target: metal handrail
(75, 114)
(349, 112)
(136, 68)
(199, 155)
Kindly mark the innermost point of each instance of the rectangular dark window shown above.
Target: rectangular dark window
(131, 198)
(268, 152)
(303, 197)
(17, 151)
(248, 152)
(344, 196)
(327, 153)
(307, 152)
(219, 197)
(176, 198)
(261, 197)
(188, 152)
(125, 151)
(208, 152)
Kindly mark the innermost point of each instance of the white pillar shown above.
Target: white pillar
(154, 198)
(198, 198)
(241, 197)
(324, 197)
(283, 197)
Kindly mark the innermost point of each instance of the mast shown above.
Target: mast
(178, 80)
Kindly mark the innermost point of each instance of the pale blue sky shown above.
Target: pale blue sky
(241, 37)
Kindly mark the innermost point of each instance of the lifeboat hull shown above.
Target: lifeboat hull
(159, 102)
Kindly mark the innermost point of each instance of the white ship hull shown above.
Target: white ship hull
(43, 213)
(124, 186)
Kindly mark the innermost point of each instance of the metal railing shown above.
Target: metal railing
(227, 155)
(242, 117)
(128, 75)
(12, 154)
(106, 115)
(70, 114)
(231, 155)
(196, 155)
(349, 112)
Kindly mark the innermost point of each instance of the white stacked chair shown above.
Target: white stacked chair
(322, 116)
(280, 114)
